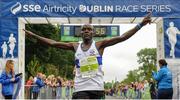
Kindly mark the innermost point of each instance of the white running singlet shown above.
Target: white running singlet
(89, 74)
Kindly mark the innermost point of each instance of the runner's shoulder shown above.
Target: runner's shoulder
(75, 45)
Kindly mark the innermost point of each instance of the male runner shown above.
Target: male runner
(88, 58)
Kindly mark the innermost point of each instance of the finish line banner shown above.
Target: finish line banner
(93, 8)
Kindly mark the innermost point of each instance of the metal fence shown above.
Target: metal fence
(48, 92)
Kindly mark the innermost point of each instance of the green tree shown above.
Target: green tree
(147, 56)
(147, 60)
(51, 60)
(108, 85)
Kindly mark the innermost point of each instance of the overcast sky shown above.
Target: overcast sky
(120, 58)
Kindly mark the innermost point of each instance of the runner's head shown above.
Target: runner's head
(87, 32)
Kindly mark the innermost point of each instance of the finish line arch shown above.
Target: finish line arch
(15, 14)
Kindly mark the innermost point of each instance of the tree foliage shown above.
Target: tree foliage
(40, 57)
(147, 56)
(147, 60)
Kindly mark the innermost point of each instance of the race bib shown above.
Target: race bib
(88, 66)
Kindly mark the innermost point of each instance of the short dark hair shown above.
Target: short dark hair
(163, 62)
(87, 26)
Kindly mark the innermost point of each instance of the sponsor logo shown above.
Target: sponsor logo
(16, 8)
(25, 8)
(92, 52)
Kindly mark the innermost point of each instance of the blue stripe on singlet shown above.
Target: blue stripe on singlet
(99, 59)
(77, 63)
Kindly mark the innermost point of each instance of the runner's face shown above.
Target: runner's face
(87, 32)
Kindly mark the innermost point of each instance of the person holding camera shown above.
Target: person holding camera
(8, 79)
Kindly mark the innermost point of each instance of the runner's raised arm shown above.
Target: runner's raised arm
(62, 45)
(126, 35)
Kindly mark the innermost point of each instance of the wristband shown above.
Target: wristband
(139, 26)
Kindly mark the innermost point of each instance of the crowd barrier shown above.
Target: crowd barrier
(48, 92)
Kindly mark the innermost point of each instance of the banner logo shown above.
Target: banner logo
(16, 8)
(59, 8)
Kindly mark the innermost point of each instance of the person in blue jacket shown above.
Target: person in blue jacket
(164, 80)
(8, 79)
(38, 82)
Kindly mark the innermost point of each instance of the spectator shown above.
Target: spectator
(153, 89)
(38, 82)
(53, 86)
(164, 79)
(7, 79)
(59, 88)
(146, 92)
(48, 87)
(42, 94)
(68, 86)
(29, 84)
